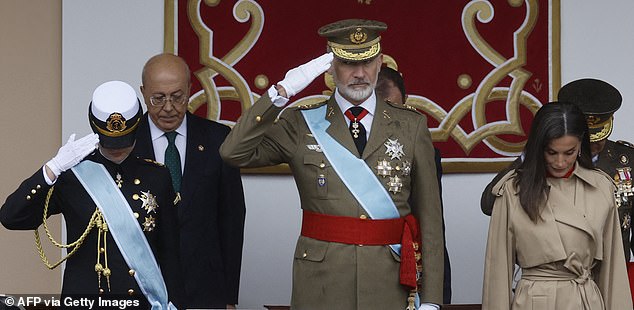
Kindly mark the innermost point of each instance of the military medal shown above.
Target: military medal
(321, 180)
(314, 147)
(395, 184)
(625, 223)
(149, 202)
(405, 168)
(384, 168)
(355, 128)
(393, 149)
(119, 180)
(149, 223)
(354, 125)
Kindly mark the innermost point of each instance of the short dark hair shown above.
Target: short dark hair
(552, 121)
(389, 74)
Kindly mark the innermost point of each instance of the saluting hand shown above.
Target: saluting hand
(71, 153)
(298, 78)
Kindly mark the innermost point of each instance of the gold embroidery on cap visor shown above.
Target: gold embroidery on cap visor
(115, 134)
(344, 54)
(604, 130)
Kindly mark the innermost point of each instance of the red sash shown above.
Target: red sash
(351, 230)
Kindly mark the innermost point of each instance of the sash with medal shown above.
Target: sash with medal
(125, 231)
(358, 178)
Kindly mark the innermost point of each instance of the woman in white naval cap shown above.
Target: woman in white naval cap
(120, 211)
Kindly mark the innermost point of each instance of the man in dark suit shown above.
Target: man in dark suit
(212, 209)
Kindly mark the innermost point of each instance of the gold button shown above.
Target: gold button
(363, 216)
(360, 244)
(322, 165)
(304, 255)
(135, 196)
(28, 197)
(100, 291)
(38, 186)
(136, 215)
(131, 272)
(137, 181)
(33, 191)
(102, 250)
(130, 292)
(258, 118)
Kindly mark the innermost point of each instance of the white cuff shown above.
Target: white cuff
(48, 181)
(427, 306)
(277, 100)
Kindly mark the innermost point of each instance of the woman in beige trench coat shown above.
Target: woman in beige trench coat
(555, 217)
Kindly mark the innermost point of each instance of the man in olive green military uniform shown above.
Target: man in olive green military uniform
(598, 100)
(356, 160)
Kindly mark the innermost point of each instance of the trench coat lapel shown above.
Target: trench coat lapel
(338, 128)
(564, 212)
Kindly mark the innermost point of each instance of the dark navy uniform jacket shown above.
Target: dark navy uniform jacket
(23, 210)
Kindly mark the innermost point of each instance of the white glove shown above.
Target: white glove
(298, 78)
(71, 153)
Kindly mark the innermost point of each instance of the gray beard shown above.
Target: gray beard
(357, 95)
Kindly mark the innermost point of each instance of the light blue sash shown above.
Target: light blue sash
(125, 231)
(353, 171)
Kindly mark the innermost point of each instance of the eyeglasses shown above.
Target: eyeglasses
(178, 99)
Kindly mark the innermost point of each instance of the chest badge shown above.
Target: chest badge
(149, 202)
(149, 223)
(384, 168)
(119, 180)
(395, 184)
(394, 149)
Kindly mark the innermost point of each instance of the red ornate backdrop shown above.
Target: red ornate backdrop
(478, 69)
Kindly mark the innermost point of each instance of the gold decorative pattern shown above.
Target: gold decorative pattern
(487, 90)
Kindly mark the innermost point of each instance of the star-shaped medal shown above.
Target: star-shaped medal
(149, 202)
(149, 223)
(393, 149)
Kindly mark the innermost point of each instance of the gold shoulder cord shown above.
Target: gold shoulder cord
(95, 220)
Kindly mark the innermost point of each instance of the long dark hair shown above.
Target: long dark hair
(553, 120)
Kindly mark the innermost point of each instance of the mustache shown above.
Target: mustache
(359, 81)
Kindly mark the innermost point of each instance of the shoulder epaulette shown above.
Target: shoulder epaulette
(403, 106)
(311, 105)
(156, 163)
(628, 144)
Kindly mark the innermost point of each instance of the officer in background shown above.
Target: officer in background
(362, 165)
(598, 100)
(391, 86)
(120, 211)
